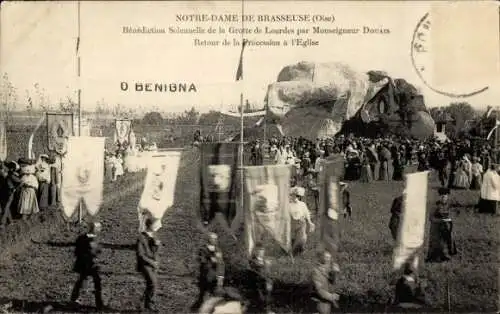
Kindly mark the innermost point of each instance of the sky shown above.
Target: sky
(38, 45)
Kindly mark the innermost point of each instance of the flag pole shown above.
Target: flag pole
(80, 210)
(240, 66)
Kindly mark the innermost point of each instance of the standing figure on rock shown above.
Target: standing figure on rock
(147, 260)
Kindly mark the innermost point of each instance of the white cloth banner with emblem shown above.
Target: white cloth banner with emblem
(83, 174)
(159, 188)
(413, 218)
(122, 131)
(60, 126)
(267, 206)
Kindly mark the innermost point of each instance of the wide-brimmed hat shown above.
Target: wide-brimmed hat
(25, 162)
(44, 156)
(297, 190)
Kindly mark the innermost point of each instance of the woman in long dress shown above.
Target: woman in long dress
(43, 176)
(28, 203)
(461, 178)
(366, 171)
(118, 166)
(301, 220)
(477, 173)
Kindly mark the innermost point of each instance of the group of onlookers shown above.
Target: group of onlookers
(28, 186)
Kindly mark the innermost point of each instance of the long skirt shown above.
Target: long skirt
(384, 171)
(475, 183)
(375, 170)
(487, 206)
(299, 235)
(53, 194)
(28, 203)
(461, 180)
(109, 171)
(43, 195)
(366, 174)
(398, 172)
(394, 226)
(441, 243)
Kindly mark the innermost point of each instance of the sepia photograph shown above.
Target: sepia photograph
(249, 156)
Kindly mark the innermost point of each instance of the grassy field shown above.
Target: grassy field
(41, 274)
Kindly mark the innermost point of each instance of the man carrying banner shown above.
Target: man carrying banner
(409, 292)
(87, 249)
(324, 275)
(212, 268)
(147, 260)
(260, 281)
(396, 210)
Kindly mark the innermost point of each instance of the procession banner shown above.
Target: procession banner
(3, 140)
(122, 131)
(59, 127)
(159, 187)
(219, 184)
(83, 173)
(267, 206)
(330, 203)
(412, 226)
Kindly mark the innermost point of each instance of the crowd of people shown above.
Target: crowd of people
(27, 187)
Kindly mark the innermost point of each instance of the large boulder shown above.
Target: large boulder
(316, 99)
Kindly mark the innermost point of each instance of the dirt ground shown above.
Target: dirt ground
(40, 274)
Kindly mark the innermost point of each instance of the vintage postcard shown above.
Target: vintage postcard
(249, 156)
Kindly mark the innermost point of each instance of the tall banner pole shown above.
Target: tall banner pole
(80, 209)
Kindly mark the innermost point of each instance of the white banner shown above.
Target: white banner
(122, 130)
(413, 218)
(159, 188)
(83, 174)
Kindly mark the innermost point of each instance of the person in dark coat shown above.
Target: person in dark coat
(261, 283)
(212, 269)
(441, 243)
(346, 200)
(87, 250)
(147, 260)
(396, 211)
(409, 292)
(9, 193)
(323, 278)
(398, 166)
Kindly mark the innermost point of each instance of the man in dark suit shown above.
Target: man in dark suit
(86, 264)
(212, 269)
(147, 260)
(396, 211)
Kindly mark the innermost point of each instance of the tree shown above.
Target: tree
(9, 96)
(152, 118)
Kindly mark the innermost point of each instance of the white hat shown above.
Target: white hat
(299, 191)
